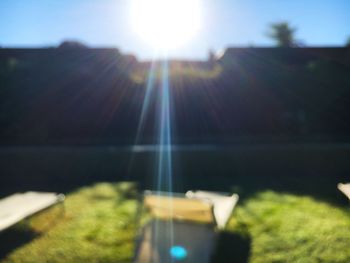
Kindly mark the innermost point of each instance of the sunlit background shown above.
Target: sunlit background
(166, 24)
(262, 123)
(202, 24)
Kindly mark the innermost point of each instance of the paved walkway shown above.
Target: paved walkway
(194, 242)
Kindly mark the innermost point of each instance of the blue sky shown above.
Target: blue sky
(98, 23)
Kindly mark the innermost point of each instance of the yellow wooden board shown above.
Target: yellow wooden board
(169, 207)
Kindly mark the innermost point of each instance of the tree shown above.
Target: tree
(347, 44)
(283, 34)
(72, 44)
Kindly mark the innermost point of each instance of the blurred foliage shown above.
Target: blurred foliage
(82, 95)
(178, 71)
(283, 34)
(348, 42)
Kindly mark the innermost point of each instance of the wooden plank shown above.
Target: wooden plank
(177, 208)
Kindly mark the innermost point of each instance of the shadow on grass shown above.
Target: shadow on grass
(232, 247)
(13, 238)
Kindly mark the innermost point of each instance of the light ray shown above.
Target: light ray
(164, 173)
(146, 101)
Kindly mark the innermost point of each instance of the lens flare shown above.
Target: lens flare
(166, 24)
(178, 252)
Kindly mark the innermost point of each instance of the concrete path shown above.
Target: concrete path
(169, 242)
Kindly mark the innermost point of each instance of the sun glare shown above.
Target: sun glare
(166, 24)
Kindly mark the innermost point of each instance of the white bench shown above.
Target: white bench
(345, 189)
(223, 204)
(19, 206)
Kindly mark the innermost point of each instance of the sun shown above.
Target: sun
(166, 24)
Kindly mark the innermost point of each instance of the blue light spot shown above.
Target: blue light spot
(178, 252)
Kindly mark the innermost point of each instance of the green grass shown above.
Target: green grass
(99, 225)
(289, 228)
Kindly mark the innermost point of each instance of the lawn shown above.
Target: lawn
(288, 228)
(99, 225)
